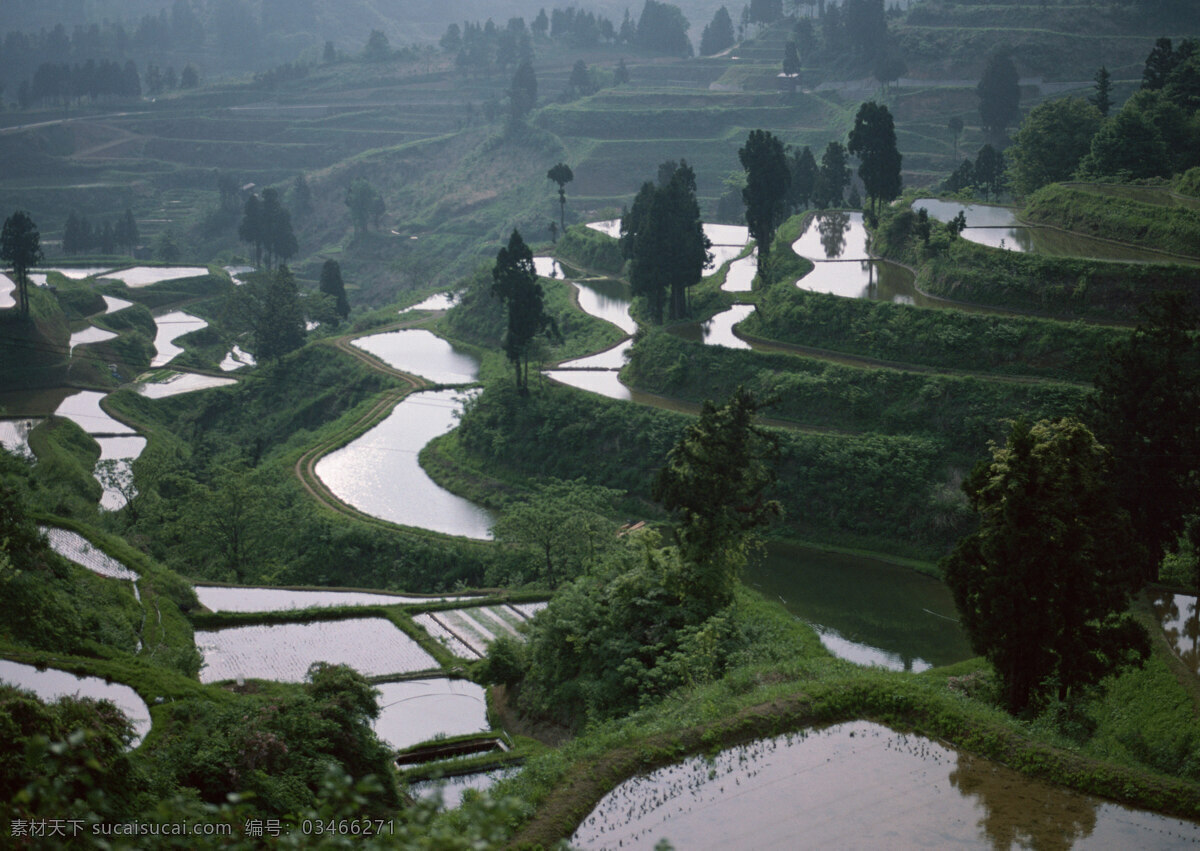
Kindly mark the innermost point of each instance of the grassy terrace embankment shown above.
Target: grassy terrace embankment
(1174, 229)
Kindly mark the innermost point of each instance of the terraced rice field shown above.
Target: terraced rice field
(284, 652)
(80, 550)
(243, 599)
(467, 632)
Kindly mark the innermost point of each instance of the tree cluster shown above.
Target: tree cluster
(63, 84)
(269, 304)
(366, 205)
(718, 35)
(873, 141)
(1154, 134)
(986, 175)
(768, 181)
(663, 29)
(21, 249)
(80, 236)
(482, 49)
(663, 239)
(267, 225)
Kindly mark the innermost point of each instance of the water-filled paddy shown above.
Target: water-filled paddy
(378, 472)
(437, 301)
(998, 227)
(112, 304)
(236, 359)
(14, 435)
(423, 353)
(415, 711)
(144, 276)
(283, 652)
(861, 785)
(613, 358)
(51, 684)
(737, 235)
(740, 276)
(608, 227)
(80, 550)
(7, 287)
(548, 267)
(721, 254)
(90, 334)
(219, 598)
(83, 408)
(868, 611)
(718, 331)
(607, 299)
(74, 273)
(1179, 615)
(172, 326)
(180, 382)
(117, 454)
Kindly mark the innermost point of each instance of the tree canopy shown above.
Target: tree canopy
(1052, 140)
(562, 175)
(663, 28)
(832, 177)
(273, 311)
(715, 481)
(522, 92)
(873, 141)
(365, 203)
(21, 248)
(1043, 585)
(802, 166)
(332, 285)
(768, 180)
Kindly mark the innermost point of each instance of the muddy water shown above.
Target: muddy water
(51, 684)
(379, 473)
(452, 789)
(861, 785)
(867, 611)
(422, 353)
(608, 300)
(1179, 615)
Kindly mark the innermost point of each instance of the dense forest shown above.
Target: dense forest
(434, 428)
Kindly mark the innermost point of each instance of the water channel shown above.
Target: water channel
(862, 785)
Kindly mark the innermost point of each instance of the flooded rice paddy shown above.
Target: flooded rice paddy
(180, 382)
(379, 472)
(283, 652)
(999, 227)
(422, 353)
(112, 304)
(172, 326)
(467, 632)
(7, 288)
(144, 276)
(76, 273)
(73, 546)
(1179, 615)
(83, 408)
(548, 267)
(866, 611)
(437, 301)
(415, 711)
(90, 334)
(718, 331)
(607, 299)
(236, 359)
(114, 469)
(220, 598)
(740, 277)
(51, 684)
(861, 785)
(14, 435)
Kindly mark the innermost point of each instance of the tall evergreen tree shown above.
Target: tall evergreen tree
(522, 93)
(562, 175)
(832, 177)
(21, 248)
(274, 313)
(873, 141)
(1102, 99)
(768, 180)
(989, 171)
(803, 168)
(332, 285)
(514, 281)
(252, 229)
(1043, 585)
(718, 35)
(999, 93)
